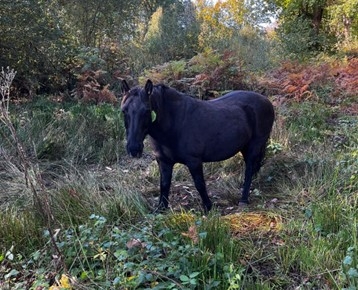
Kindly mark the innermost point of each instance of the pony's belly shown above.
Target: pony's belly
(221, 153)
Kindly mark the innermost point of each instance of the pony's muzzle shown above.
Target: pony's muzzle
(135, 150)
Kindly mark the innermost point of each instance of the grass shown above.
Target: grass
(109, 239)
(80, 134)
(19, 230)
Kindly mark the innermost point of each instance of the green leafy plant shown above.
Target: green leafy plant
(274, 147)
(350, 269)
(309, 121)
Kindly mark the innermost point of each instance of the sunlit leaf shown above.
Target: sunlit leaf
(347, 260)
(184, 278)
(9, 255)
(194, 274)
(116, 281)
(352, 273)
(11, 274)
(65, 282)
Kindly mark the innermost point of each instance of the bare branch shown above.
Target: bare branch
(6, 78)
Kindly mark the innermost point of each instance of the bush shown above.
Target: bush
(309, 122)
(300, 41)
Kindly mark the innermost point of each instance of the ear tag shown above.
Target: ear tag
(154, 116)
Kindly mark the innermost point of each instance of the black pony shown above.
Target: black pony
(190, 131)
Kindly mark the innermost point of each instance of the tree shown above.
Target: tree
(49, 41)
(319, 20)
(219, 22)
(172, 32)
(312, 10)
(225, 20)
(33, 42)
(92, 21)
(343, 20)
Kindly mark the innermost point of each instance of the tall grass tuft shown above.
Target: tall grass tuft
(21, 230)
(13, 187)
(80, 133)
(78, 194)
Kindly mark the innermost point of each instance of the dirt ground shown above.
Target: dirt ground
(261, 215)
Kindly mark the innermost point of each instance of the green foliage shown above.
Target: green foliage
(310, 122)
(39, 52)
(350, 268)
(145, 255)
(88, 58)
(311, 26)
(125, 37)
(205, 61)
(343, 19)
(326, 228)
(274, 147)
(172, 33)
(116, 36)
(170, 71)
(65, 36)
(299, 39)
(220, 22)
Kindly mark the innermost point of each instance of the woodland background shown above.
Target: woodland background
(49, 43)
(76, 211)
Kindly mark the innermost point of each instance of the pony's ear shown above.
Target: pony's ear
(149, 87)
(125, 87)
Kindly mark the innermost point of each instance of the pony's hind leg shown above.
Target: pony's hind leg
(253, 155)
(247, 181)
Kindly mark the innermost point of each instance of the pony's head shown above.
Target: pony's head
(137, 114)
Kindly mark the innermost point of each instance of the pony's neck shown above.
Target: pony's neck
(169, 106)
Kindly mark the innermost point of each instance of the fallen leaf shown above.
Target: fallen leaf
(192, 234)
(135, 243)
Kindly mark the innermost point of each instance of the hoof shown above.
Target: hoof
(244, 201)
(207, 207)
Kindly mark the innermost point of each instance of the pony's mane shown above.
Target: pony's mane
(161, 93)
(160, 87)
(132, 90)
(163, 89)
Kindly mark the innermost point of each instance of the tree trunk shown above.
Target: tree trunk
(317, 19)
(347, 25)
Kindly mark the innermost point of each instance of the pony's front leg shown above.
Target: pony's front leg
(196, 171)
(166, 171)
